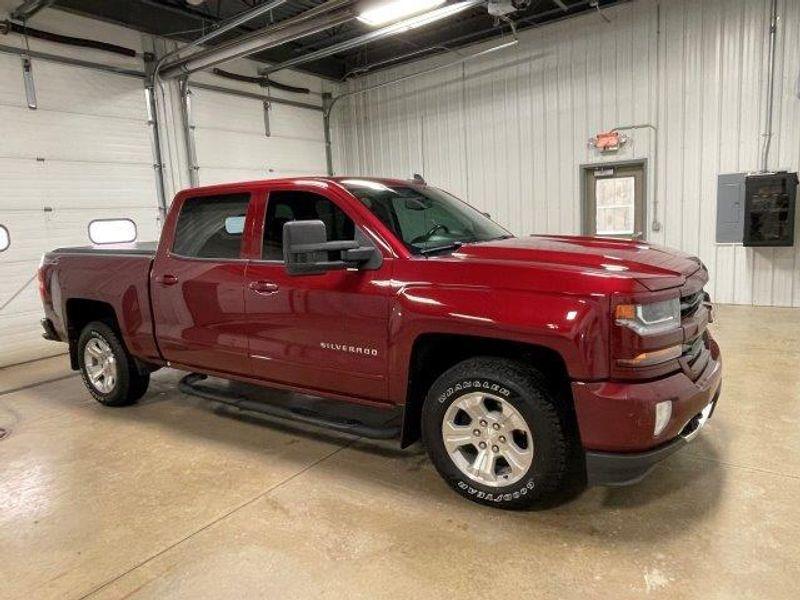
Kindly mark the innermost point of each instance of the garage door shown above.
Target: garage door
(84, 154)
(232, 144)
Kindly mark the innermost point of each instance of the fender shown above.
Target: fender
(84, 277)
(573, 326)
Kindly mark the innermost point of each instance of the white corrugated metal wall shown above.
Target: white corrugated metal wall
(232, 145)
(508, 131)
(85, 153)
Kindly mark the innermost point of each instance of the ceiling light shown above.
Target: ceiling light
(394, 10)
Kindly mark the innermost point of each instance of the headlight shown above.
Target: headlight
(648, 319)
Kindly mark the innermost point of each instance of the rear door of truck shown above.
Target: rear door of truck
(197, 282)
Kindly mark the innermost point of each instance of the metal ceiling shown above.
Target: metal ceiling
(178, 20)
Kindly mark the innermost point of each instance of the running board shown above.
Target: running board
(191, 385)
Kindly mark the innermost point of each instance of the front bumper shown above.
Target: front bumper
(618, 469)
(616, 420)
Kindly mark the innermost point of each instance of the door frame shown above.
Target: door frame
(632, 162)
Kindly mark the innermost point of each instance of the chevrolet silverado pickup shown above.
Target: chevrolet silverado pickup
(518, 361)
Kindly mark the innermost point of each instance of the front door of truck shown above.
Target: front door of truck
(198, 285)
(326, 332)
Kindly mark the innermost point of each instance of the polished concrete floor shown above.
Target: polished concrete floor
(169, 499)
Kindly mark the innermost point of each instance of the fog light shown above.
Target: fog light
(663, 414)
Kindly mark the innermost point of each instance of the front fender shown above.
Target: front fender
(573, 326)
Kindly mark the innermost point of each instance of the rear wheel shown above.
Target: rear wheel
(109, 372)
(493, 431)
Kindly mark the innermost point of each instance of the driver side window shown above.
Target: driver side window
(283, 207)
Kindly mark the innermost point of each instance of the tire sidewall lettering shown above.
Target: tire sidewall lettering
(469, 385)
(498, 497)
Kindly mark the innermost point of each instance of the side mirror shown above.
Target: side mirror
(306, 250)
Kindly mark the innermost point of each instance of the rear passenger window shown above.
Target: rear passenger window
(5, 239)
(283, 207)
(211, 226)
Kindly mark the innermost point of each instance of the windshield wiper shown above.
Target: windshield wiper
(452, 246)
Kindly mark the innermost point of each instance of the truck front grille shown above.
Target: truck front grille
(693, 349)
(690, 303)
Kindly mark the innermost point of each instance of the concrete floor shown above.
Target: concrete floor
(168, 499)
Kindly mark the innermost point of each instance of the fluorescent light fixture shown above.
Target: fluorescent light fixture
(394, 10)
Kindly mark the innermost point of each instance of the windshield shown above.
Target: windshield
(426, 219)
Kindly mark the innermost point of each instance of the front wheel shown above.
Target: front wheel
(493, 431)
(109, 372)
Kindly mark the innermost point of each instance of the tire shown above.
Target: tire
(505, 391)
(121, 384)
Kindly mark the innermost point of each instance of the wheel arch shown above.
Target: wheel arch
(434, 353)
(79, 313)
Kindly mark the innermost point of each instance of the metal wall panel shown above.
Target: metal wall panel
(86, 152)
(508, 131)
(83, 154)
(232, 145)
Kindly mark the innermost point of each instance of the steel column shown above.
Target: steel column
(327, 101)
(188, 132)
(152, 120)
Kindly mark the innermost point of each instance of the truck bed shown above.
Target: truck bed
(114, 275)
(131, 249)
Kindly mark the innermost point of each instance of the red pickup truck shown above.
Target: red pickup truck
(519, 361)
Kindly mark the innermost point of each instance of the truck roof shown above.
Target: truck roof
(259, 183)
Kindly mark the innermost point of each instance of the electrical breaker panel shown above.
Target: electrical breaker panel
(770, 209)
(756, 209)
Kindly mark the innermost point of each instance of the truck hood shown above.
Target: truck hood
(653, 266)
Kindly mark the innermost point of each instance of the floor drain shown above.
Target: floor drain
(4, 433)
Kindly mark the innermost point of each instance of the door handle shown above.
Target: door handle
(263, 287)
(167, 279)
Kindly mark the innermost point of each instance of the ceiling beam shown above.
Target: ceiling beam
(223, 28)
(29, 8)
(321, 18)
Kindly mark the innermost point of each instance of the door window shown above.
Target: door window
(211, 226)
(614, 200)
(615, 205)
(283, 207)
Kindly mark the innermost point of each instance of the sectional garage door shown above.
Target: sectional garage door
(232, 144)
(84, 154)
